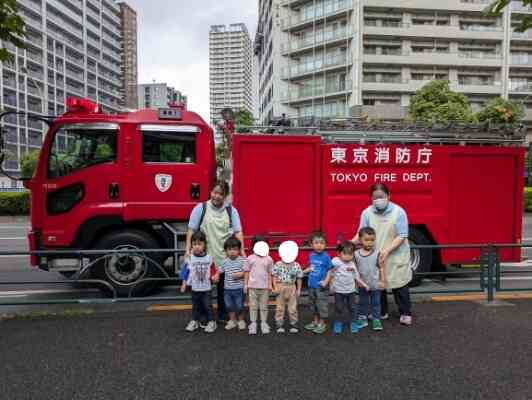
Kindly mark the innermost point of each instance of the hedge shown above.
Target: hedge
(14, 203)
(19, 203)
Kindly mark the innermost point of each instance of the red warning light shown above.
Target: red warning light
(77, 105)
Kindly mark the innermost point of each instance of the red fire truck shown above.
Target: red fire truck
(130, 181)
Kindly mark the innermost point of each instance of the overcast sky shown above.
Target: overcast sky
(173, 42)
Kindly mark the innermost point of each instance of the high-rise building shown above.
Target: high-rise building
(74, 49)
(328, 58)
(230, 69)
(128, 18)
(157, 95)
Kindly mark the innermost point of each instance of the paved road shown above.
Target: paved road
(454, 351)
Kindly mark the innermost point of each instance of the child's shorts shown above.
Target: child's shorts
(234, 300)
(319, 301)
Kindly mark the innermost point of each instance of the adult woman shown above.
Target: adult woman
(218, 220)
(391, 225)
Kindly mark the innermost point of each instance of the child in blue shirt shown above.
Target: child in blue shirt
(318, 294)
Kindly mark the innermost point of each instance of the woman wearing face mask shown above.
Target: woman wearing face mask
(391, 224)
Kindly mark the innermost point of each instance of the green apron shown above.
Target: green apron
(398, 269)
(216, 227)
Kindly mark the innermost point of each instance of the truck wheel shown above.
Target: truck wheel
(123, 271)
(420, 259)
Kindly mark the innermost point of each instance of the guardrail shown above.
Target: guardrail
(489, 273)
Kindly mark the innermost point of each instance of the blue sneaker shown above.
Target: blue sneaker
(354, 327)
(362, 323)
(337, 327)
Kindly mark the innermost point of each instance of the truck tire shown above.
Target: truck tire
(420, 259)
(124, 271)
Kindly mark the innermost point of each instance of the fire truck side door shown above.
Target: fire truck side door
(167, 175)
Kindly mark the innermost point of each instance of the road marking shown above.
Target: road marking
(14, 293)
(15, 227)
(475, 297)
(13, 238)
(18, 256)
(13, 296)
(510, 278)
(181, 307)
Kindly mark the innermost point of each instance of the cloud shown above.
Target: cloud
(173, 42)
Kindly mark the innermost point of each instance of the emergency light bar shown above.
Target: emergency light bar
(74, 104)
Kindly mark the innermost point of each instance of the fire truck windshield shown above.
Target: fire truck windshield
(80, 146)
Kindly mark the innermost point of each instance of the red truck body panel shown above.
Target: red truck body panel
(460, 194)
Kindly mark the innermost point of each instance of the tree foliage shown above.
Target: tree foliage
(28, 164)
(499, 110)
(435, 101)
(11, 27)
(497, 7)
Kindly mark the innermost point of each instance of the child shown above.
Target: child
(198, 274)
(233, 269)
(372, 272)
(319, 265)
(258, 282)
(285, 275)
(345, 277)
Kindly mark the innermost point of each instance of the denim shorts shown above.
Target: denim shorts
(234, 300)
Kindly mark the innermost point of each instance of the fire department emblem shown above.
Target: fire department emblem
(163, 182)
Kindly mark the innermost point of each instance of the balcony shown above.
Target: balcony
(406, 30)
(94, 42)
(93, 14)
(10, 100)
(111, 14)
(411, 86)
(324, 38)
(111, 66)
(335, 8)
(10, 83)
(113, 42)
(520, 87)
(75, 89)
(518, 7)
(30, 5)
(320, 65)
(527, 35)
(436, 58)
(455, 5)
(37, 58)
(62, 23)
(65, 39)
(308, 93)
(77, 17)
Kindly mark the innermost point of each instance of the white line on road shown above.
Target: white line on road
(10, 293)
(13, 238)
(510, 278)
(21, 256)
(15, 227)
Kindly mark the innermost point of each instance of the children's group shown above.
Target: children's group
(356, 270)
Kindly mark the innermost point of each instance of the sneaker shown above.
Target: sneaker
(252, 329)
(211, 327)
(385, 316)
(311, 326)
(354, 327)
(337, 327)
(293, 329)
(241, 325)
(265, 328)
(362, 323)
(192, 326)
(406, 320)
(320, 328)
(281, 329)
(230, 325)
(376, 325)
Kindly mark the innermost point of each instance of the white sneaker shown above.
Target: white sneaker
(252, 329)
(265, 328)
(280, 329)
(230, 325)
(241, 325)
(192, 326)
(211, 327)
(293, 329)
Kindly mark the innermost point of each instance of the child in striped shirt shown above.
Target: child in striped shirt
(233, 268)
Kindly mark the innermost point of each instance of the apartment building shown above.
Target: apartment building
(74, 50)
(230, 69)
(336, 58)
(158, 95)
(128, 18)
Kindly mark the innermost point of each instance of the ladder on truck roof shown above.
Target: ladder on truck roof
(361, 131)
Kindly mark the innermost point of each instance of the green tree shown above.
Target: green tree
(28, 164)
(11, 27)
(435, 101)
(497, 7)
(501, 111)
(243, 119)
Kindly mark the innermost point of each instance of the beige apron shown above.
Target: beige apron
(398, 270)
(216, 227)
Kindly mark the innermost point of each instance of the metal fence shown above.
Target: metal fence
(489, 274)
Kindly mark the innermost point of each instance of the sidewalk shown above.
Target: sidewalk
(459, 350)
